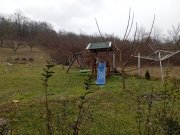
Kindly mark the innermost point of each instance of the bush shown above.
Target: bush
(31, 59)
(23, 59)
(16, 59)
(147, 75)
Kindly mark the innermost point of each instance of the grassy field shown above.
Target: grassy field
(155, 71)
(109, 110)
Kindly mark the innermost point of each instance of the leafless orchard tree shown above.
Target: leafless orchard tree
(16, 32)
(133, 48)
(141, 33)
(3, 27)
(157, 39)
(174, 34)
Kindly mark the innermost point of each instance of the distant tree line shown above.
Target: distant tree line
(18, 31)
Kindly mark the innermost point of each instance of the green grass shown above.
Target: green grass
(23, 82)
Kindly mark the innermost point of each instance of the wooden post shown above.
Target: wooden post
(74, 58)
(162, 77)
(114, 61)
(139, 64)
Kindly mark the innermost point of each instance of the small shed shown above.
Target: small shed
(100, 52)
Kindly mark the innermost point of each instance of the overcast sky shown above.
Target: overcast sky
(79, 15)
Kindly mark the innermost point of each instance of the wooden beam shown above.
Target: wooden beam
(74, 58)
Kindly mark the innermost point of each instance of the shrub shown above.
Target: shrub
(31, 59)
(147, 75)
(24, 59)
(16, 59)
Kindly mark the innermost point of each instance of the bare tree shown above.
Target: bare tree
(157, 39)
(141, 33)
(126, 53)
(2, 29)
(121, 49)
(32, 34)
(16, 32)
(174, 34)
(15, 45)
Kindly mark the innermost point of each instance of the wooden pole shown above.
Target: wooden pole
(162, 77)
(114, 61)
(71, 64)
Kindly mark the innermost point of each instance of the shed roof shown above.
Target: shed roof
(99, 45)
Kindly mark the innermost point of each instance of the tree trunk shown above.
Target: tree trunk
(123, 81)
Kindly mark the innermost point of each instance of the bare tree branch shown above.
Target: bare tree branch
(126, 28)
